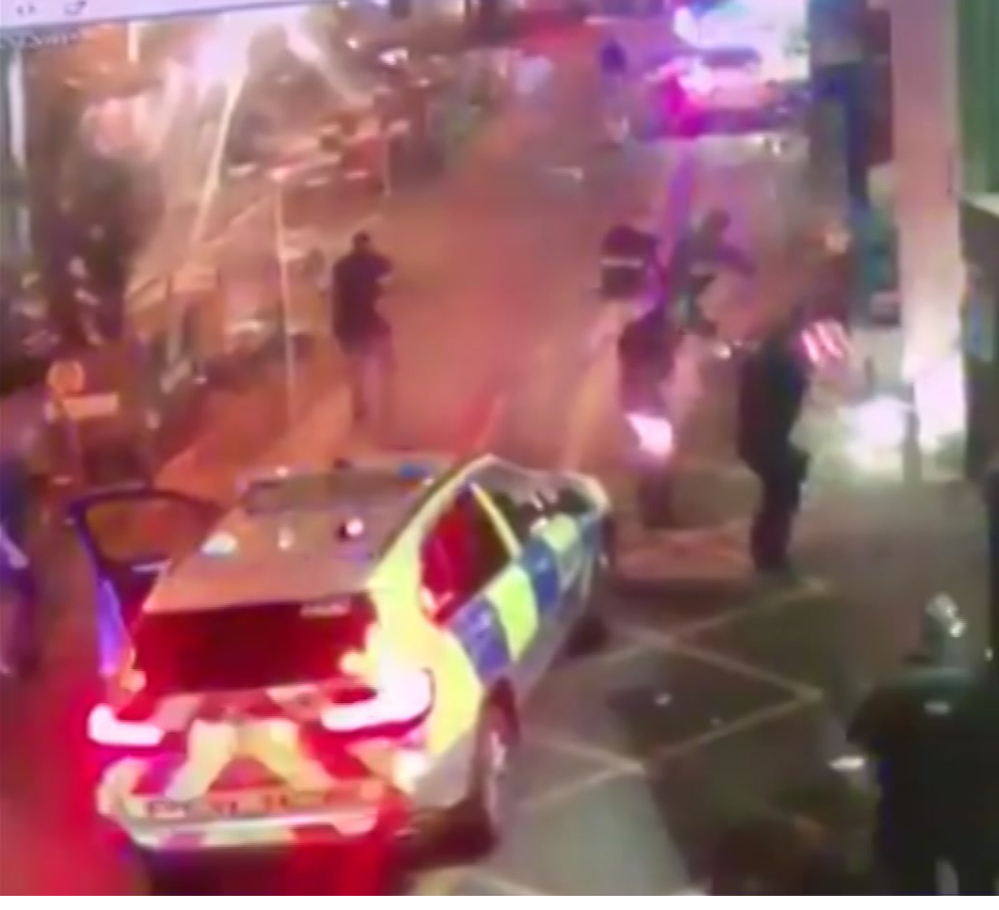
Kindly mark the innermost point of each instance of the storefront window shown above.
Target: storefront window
(978, 75)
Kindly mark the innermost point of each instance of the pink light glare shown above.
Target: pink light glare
(655, 434)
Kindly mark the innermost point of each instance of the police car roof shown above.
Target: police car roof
(299, 536)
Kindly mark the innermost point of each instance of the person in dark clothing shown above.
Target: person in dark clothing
(363, 333)
(773, 384)
(646, 351)
(17, 574)
(613, 59)
(933, 734)
(781, 856)
(629, 261)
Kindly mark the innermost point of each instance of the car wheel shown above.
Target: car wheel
(480, 825)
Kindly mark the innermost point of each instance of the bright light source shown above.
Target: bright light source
(221, 544)
(655, 434)
(685, 26)
(698, 80)
(105, 729)
(940, 403)
(879, 424)
(352, 529)
(848, 764)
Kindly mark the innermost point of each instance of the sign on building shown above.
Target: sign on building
(27, 15)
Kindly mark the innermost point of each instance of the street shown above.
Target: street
(717, 698)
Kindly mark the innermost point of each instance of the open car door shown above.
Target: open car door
(129, 535)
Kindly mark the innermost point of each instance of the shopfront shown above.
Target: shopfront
(978, 78)
(980, 325)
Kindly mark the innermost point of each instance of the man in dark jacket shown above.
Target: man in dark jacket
(17, 575)
(933, 734)
(772, 388)
(363, 333)
(629, 262)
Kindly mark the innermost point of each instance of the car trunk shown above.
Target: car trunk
(255, 646)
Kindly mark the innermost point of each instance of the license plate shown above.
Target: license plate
(243, 804)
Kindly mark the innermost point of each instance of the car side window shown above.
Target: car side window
(462, 554)
(522, 514)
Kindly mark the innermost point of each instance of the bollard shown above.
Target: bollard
(992, 525)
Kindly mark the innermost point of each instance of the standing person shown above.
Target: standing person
(363, 333)
(19, 644)
(613, 60)
(932, 734)
(614, 65)
(629, 260)
(645, 361)
(772, 387)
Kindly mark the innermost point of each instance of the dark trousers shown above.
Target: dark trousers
(370, 365)
(909, 857)
(781, 475)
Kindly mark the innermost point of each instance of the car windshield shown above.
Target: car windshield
(306, 492)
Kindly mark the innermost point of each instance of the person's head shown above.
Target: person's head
(361, 242)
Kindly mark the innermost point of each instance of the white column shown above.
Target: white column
(926, 183)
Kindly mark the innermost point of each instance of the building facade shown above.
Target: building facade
(945, 76)
(978, 80)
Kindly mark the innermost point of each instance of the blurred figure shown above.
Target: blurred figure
(646, 353)
(773, 384)
(614, 65)
(363, 333)
(699, 255)
(629, 260)
(613, 60)
(933, 734)
(18, 587)
(780, 857)
(646, 349)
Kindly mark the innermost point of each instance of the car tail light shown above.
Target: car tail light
(401, 699)
(106, 728)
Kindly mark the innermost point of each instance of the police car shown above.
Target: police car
(340, 654)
